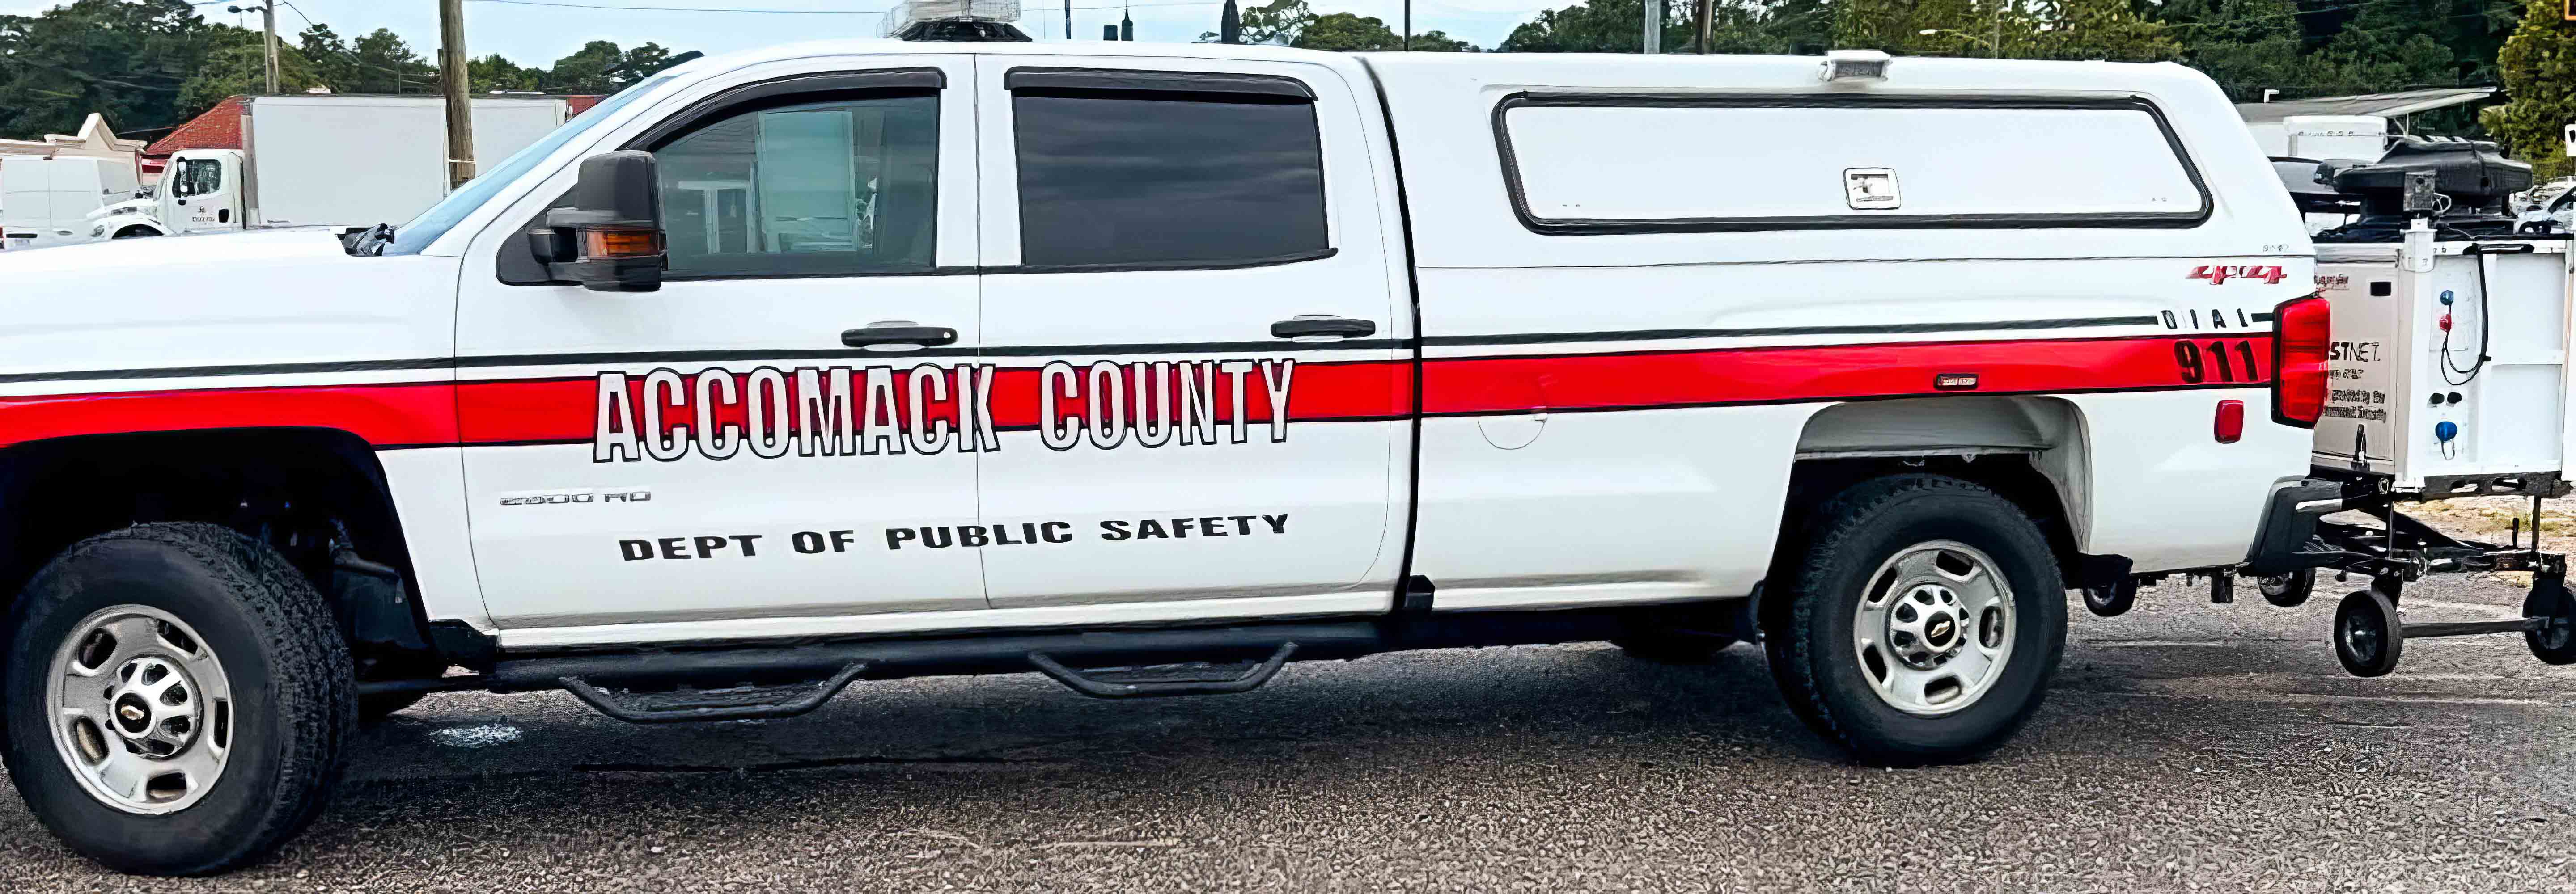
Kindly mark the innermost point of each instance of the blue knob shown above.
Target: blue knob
(2446, 296)
(2445, 431)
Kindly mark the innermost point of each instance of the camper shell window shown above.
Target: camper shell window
(1594, 163)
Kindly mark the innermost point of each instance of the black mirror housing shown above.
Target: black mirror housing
(610, 240)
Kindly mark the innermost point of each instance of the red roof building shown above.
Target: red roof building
(218, 128)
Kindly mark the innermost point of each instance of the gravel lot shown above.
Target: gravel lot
(2185, 747)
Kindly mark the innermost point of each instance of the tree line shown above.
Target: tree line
(2252, 48)
(150, 65)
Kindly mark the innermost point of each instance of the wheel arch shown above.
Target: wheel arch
(279, 484)
(2032, 450)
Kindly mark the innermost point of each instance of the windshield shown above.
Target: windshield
(411, 237)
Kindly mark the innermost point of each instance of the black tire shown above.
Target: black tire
(292, 698)
(1811, 643)
(1675, 647)
(2289, 590)
(2555, 641)
(2369, 636)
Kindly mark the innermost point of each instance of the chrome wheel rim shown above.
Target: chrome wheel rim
(1934, 628)
(141, 708)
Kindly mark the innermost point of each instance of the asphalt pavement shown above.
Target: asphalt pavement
(2185, 747)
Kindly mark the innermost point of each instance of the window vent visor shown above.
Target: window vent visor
(1087, 79)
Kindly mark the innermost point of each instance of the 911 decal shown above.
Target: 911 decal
(769, 413)
(2218, 361)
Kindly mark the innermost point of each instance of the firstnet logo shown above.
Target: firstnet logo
(2220, 274)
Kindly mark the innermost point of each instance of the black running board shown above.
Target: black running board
(1196, 678)
(740, 681)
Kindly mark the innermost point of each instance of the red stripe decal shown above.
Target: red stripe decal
(564, 410)
(1794, 375)
(423, 413)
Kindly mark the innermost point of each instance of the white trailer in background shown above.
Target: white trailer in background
(2322, 137)
(327, 160)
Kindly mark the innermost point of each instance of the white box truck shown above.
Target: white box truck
(326, 160)
(44, 201)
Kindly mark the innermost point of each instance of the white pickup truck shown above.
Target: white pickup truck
(1149, 368)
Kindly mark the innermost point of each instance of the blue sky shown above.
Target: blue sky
(537, 35)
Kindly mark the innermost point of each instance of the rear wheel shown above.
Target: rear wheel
(1925, 617)
(177, 696)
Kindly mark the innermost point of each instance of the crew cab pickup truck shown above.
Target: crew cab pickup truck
(1150, 369)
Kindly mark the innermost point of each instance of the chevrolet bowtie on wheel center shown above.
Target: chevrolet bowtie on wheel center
(1155, 368)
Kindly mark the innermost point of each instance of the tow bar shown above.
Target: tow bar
(2369, 634)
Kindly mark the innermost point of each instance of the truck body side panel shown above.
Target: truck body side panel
(1614, 410)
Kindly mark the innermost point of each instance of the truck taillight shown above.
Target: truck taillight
(2300, 332)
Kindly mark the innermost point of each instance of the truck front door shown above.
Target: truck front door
(722, 457)
(1190, 298)
(201, 193)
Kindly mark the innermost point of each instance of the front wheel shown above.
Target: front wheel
(1924, 620)
(177, 696)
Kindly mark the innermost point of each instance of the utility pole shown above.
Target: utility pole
(1654, 26)
(1408, 24)
(1068, 19)
(268, 20)
(1707, 9)
(451, 81)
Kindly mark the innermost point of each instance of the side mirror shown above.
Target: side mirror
(610, 240)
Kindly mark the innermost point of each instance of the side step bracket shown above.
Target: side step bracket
(1165, 680)
(740, 703)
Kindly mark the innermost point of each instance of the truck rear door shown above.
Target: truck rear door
(1197, 320)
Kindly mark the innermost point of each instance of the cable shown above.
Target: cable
(2486, 325)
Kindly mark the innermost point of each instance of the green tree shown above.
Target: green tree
(2008, 29)
(1293, 23)
(379, 62)
(2244, 45)
(1279, 22)
(2538, 65)
(601, 67)
(493, 72)
(1356, 33)
(1598, 26)
(127, 59)
(1736, 26)
(242, 68)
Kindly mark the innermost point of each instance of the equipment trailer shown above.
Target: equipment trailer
(2413, 417)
